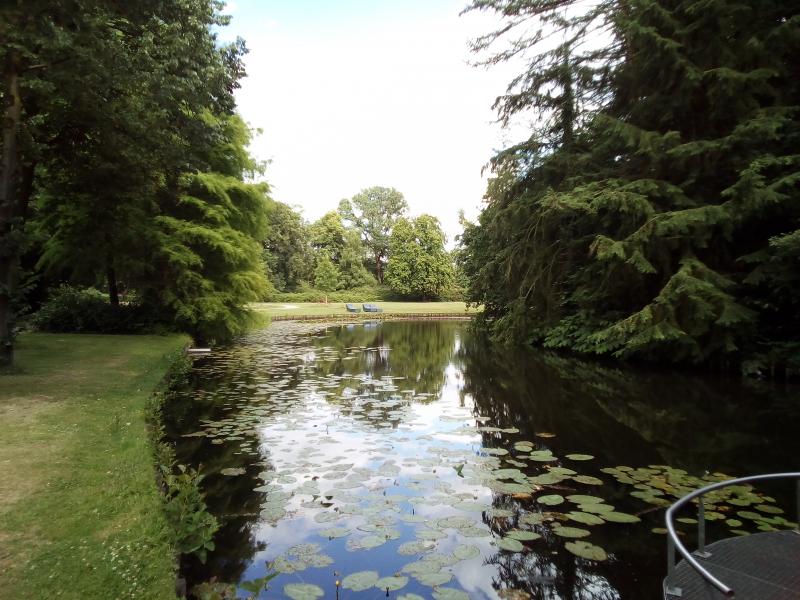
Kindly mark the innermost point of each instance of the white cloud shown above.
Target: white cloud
(393, 104)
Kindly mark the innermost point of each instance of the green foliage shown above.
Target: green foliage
(419, 266)
(326, 275)
(75, 310)
(208, 255)
(651, 217)
(132, 162)
(358, 295)
(287, 257)
(192, 525)
(329, 237)
(373, 212)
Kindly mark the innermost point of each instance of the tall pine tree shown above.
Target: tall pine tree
(664, 223)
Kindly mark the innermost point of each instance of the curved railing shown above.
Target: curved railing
(674, 543)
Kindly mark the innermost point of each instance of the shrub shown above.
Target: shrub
(86, 310)
(356, 295)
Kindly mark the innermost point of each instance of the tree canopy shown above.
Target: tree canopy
(122, 153)
(652, 212)
(419, 266)
(373, 212)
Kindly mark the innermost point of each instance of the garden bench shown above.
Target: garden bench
(352, 308)
(372, 308)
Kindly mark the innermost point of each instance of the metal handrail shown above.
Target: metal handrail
(674, 543)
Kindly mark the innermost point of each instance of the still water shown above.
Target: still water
(415, 460)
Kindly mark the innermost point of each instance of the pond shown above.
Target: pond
(415, 460)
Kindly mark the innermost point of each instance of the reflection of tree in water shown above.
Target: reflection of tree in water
(230, 499)
(622, 414)
(416, 352)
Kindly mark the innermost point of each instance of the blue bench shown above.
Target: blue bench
(352, 308)
(371, 308)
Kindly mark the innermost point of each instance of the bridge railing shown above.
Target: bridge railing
(674, 543)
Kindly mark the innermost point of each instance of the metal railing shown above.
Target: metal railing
(674, 543)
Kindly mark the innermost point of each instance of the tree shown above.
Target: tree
(328, 234)
(106, 105)
(351, 262)
(287, 256)
(343, 246)
(373, 212)
(326, 275)
(419, 266)
(648, 226)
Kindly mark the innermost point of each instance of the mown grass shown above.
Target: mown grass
(274, 309)
(80, 514)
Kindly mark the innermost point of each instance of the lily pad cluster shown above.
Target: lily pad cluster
(349, 462)
(739, 507)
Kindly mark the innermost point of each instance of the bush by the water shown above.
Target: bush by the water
(87, 310)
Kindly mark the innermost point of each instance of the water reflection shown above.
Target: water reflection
(385, 433)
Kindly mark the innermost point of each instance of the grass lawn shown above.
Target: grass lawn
(79, 509)
(274, 309)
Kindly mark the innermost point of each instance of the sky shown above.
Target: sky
(351, 94)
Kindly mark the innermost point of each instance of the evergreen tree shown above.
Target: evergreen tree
(662, 224)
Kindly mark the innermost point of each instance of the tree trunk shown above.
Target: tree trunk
(8, 182)
(379, 267)
(113, 287)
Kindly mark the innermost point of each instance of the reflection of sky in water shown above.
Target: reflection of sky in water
(364, 433)
(343, 439)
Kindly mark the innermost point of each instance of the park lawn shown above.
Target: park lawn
(80, 513)
(307, 309)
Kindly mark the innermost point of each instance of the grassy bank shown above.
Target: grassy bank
(80, 514)
(307, 309)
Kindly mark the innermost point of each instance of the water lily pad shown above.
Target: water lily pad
(747, 514)
(766, 508)
(598, 509)
(430, 534)
(510, 544)
(562, 471)
(659, 530)
(586, 550)
(231, 471)
(542, 456)
(570, 532)
(449, 594)
(585, 518)
(587, 480)
(545, 434)
(358, 582)
(391, 583)
(733, 523)
(579, 457)
(334, 532)
(580, 499)
(550, 500)
(410, 597)
(523, 536)
(303, 591)
(620, 517)
(434, 578)
(687, 520)
(419, 547)
(466, 552)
